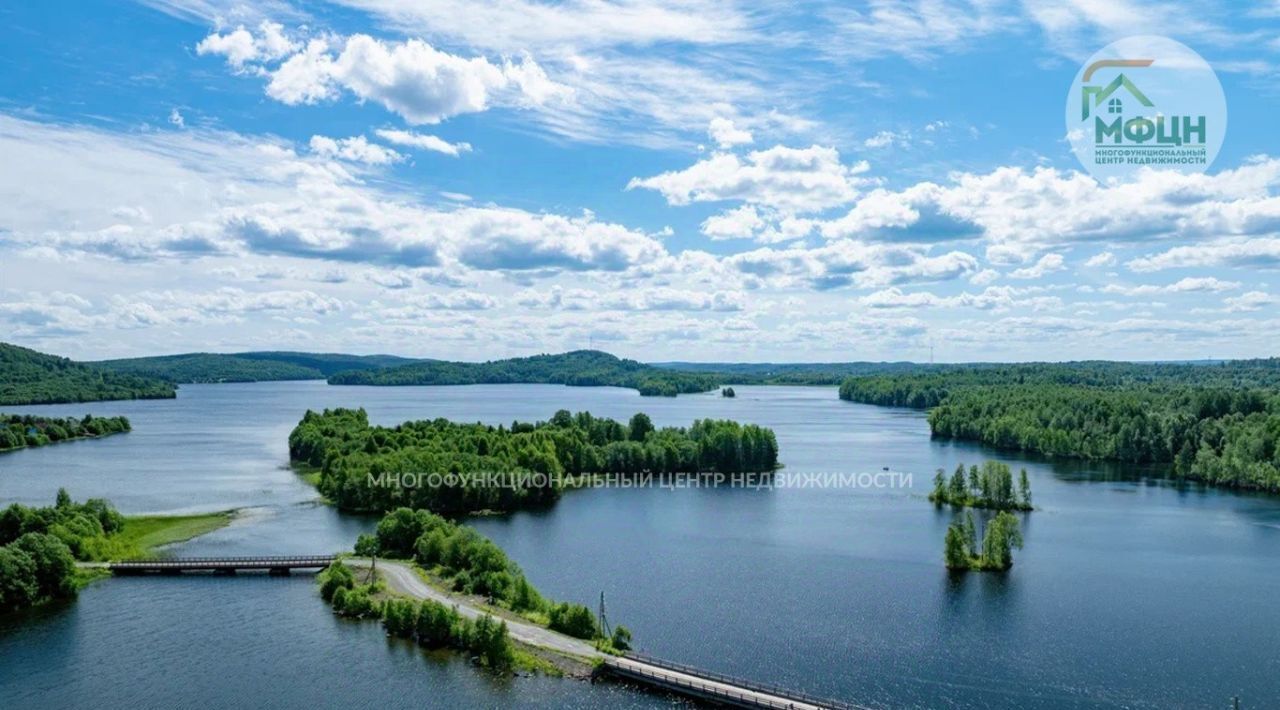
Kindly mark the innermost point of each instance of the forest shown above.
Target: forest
(354, 456)
(1215, 423)
(580, 368)
(247, 367)
(22, 430)
(30, 377)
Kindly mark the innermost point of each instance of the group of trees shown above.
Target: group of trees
(1215, 423)
(39, 547)
(431, 624)
(583, 368)
(990, 486)
(728, 392)
(1001, 536)
(30, 377)
(18, 431)
(356, 459)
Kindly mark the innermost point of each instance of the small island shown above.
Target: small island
(988, 487)
(728, 392)
(40, 547)
(1001, 536)
(18, 431)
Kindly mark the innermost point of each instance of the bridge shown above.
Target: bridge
(221, 565)
(714, 687)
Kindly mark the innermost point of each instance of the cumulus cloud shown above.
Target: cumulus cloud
(726, 134)
(1048, 264)
(1105, 258)
(1262, 252)
(423, 141)
(1251, 301)
(412, 78)
(793, 180)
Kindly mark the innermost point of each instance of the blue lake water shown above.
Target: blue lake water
(1131, 592)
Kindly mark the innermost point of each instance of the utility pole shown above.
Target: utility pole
(604, 619)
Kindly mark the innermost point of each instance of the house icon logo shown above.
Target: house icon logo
(1162, 110)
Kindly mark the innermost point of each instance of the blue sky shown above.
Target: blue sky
(699, 180)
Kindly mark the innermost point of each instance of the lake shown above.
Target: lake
(1131, 591)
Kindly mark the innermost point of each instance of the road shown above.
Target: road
(404, 580)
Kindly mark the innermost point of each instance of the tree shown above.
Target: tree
(436, 624)
(955, 551)
(575, 620)
(1002, 535)
(400, 617)
(18, 586)
(939, 493)
(366, 545)
(957, 494)
(1024, 490)
(640, 426)
(336, 576)
(621, 640)
(54, 565)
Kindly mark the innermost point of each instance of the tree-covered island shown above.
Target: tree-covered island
(1002, 534)
(355, 459)
(990, 486)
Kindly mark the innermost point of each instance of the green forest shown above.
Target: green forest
(22, 430)
(349, 452)
(30, 377)
(1215, 423)
(247, 367)
(580, 368)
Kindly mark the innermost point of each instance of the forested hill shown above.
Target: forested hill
(30, 377)
(582, 368)
(1217, 423)
(794, 373)
(248, 367)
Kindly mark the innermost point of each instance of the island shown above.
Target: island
(19, 431)
(1001, 536)
(451, 467)
(988, 487)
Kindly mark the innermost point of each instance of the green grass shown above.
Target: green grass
(143, 534)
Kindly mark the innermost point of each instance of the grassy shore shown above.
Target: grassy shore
(143, 535)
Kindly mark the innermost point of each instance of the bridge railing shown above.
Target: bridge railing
(744, 683)
(205, 560)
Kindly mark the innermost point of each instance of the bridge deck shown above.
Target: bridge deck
(712, 686)
(216, 564)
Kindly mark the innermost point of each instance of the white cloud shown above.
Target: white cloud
(1262, 252)
(726, 134)
(410, 78)
(792, 180)
(1048, 264)
(356, 149)
(175, 118)
(1251, 301)
(1102, 259)
(241, 47)
(1206, 284)
(423, 141)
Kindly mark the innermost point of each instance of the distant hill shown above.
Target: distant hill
(31, 377)
(796, 373)
(581, 368)
(192, 368)
(329, 363)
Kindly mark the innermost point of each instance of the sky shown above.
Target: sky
(699, 180)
